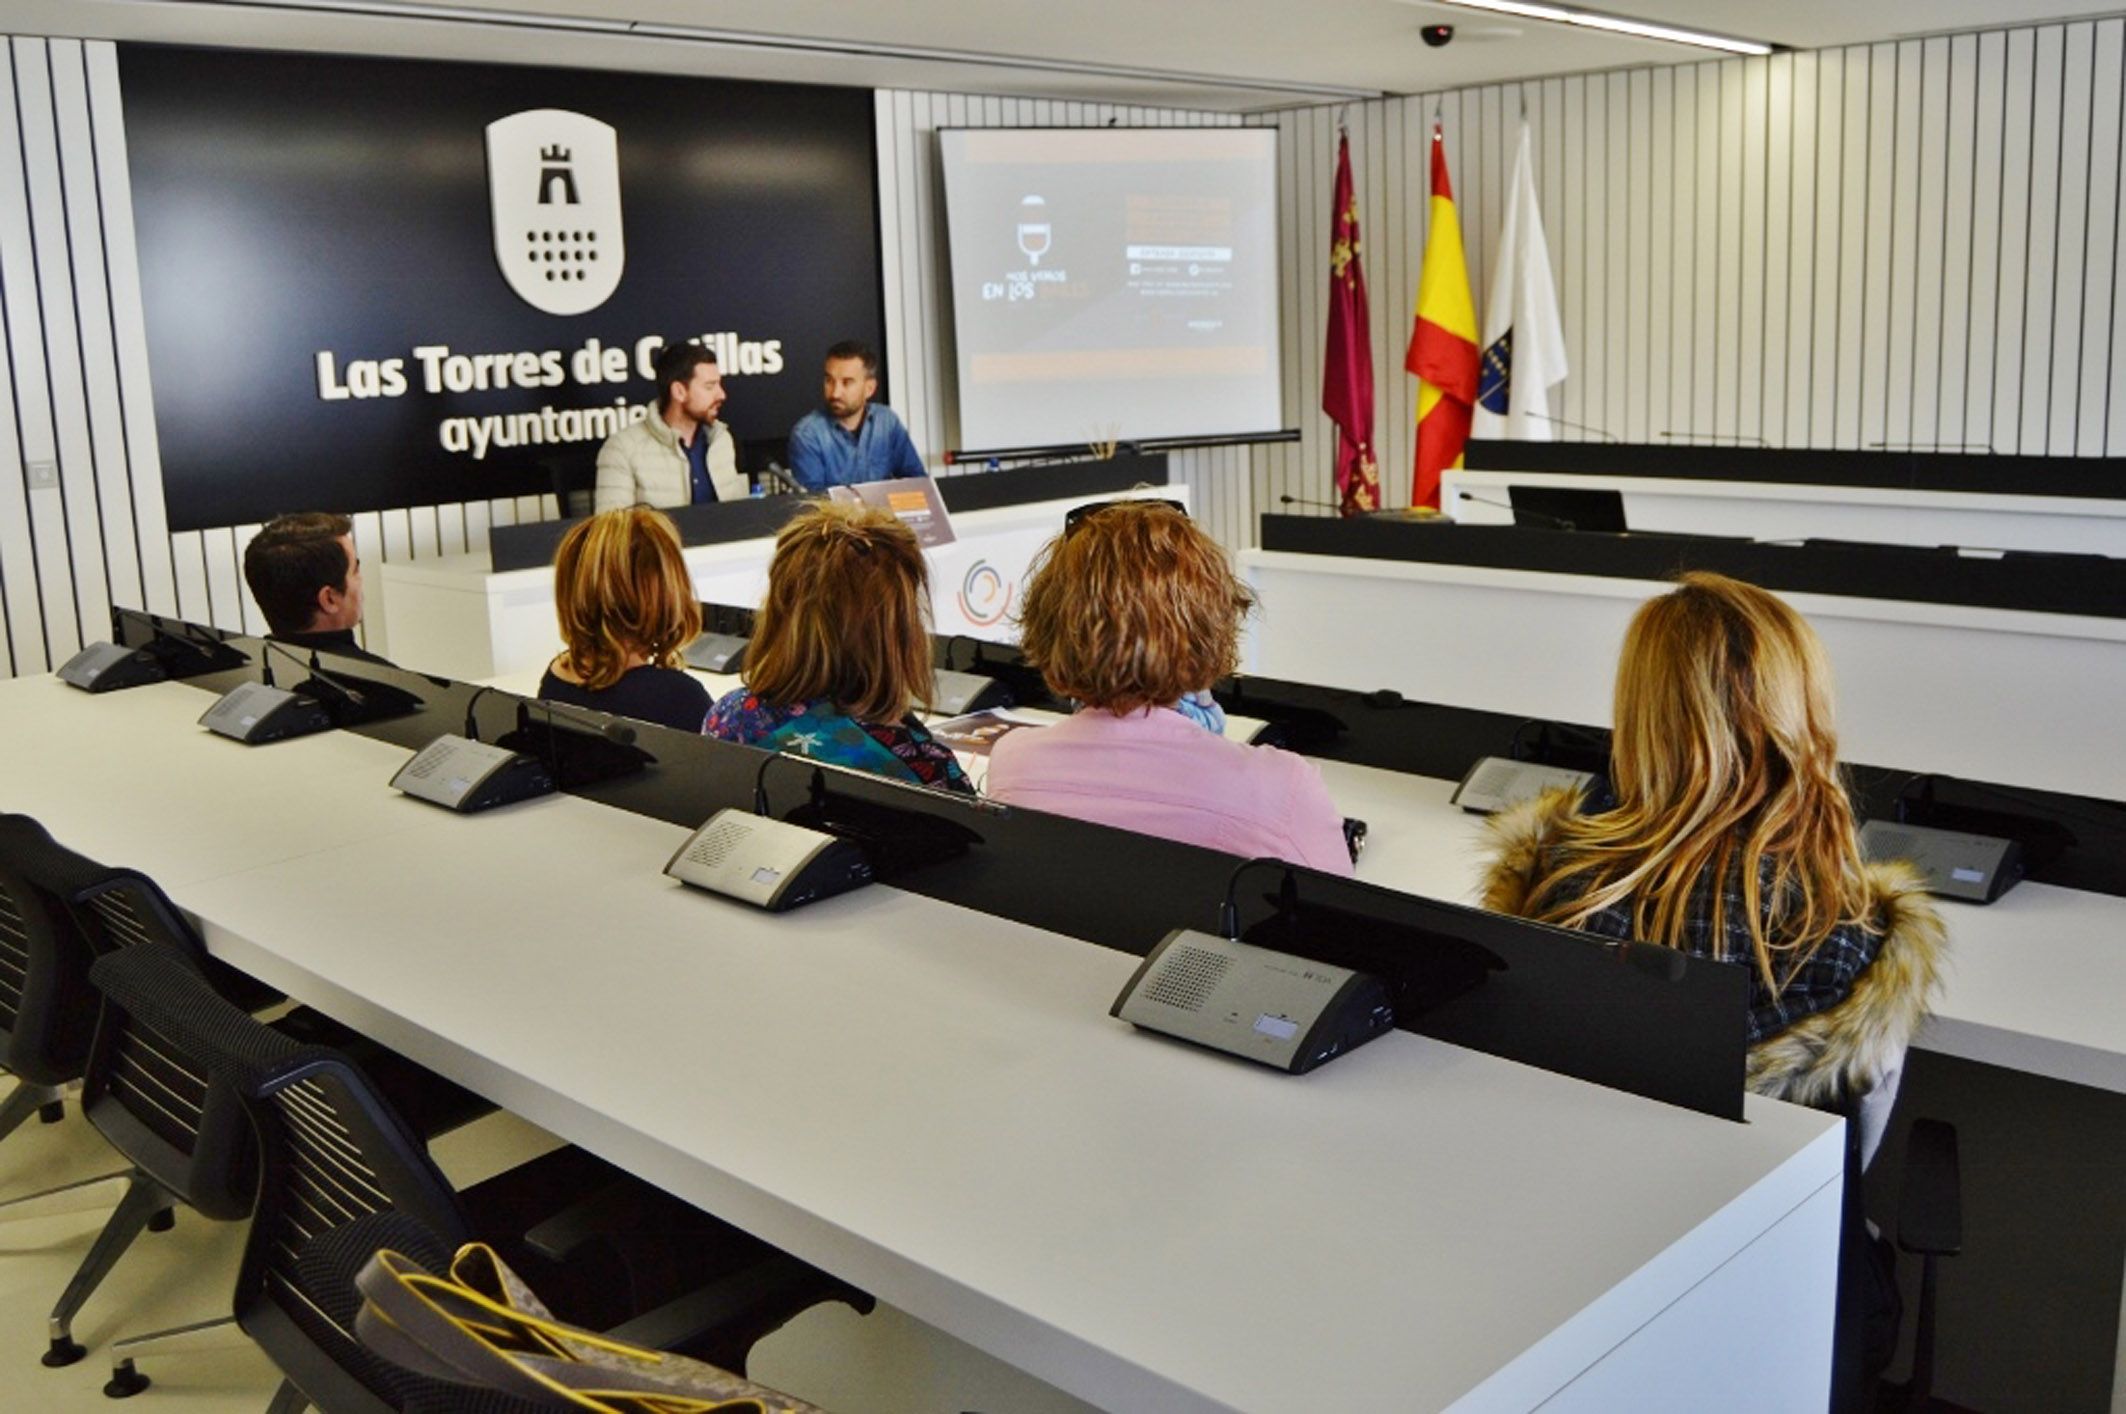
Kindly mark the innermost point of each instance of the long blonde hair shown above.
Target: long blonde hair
(621, 587)
(847, 615)
(1724, 757)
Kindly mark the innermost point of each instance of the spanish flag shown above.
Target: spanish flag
(1443, 350)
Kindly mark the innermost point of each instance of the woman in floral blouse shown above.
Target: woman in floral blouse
(840, 654)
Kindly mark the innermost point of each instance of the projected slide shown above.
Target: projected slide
(1113, 284)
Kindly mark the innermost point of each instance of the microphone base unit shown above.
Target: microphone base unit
(768, 863)
(106, 667)
(469, 776)
(1495, 783)
(1289, 1013)
(961, 693)
(255, 714)
(717, 653)
(1955, 864)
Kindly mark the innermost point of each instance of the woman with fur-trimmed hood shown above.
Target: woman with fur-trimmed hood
(1732, 837)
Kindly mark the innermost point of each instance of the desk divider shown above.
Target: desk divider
(1643, 1019)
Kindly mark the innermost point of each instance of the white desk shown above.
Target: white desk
(1884, 515)
(2034, 980)
(2000, 695)
(934, 1104)
(456, 616)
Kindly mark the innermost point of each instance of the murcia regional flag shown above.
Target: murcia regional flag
(1524, 339)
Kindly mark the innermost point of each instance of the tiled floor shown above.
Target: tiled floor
(886, 1363)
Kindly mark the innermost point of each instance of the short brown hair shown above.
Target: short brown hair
(290, 560)
(1132, 607)
(847, 615)
(621, 587)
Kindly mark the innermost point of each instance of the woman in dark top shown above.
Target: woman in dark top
(627, 611)
(840, 653)
(1731, 837)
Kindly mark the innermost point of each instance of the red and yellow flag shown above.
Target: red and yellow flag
(1443, 350)
(1347, 367)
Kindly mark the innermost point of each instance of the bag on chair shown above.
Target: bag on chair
(481, 1326)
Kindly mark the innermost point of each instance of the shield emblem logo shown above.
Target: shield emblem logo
(553, 182)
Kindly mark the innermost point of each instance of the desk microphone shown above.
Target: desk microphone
(1554, 522)
(1604, 433)
(780, 475)
(1316, 505)
(618, 733)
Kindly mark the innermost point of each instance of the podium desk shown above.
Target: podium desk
(2007, 694)
(458, 616)
(934, 1104)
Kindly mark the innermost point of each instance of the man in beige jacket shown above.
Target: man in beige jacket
(680, 454)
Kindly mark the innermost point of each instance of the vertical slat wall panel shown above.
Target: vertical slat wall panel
(1911, 241)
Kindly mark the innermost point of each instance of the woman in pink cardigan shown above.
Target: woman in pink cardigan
(1130, 611)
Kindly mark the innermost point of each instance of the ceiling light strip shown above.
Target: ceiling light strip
(1615, 24)
(786, 44)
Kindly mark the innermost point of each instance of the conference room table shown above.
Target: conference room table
(2033, 979)
(934, 1104)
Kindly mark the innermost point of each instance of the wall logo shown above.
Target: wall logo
(553, 184)
(985, 595)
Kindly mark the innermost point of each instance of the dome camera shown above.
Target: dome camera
(1438, 36)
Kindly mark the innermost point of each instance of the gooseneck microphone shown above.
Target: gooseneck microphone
(778, 474)
(1315, 505)
(320, 681)
(618, 733)
(1520, 513)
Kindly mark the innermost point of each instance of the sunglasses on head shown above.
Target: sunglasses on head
(1077, 515)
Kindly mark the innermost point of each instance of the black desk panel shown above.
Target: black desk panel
(2027, 580)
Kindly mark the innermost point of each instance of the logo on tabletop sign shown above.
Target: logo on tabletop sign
(553, 182)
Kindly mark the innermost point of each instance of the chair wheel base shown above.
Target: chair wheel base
(52, 1113)
(65, 1351)
(163, 1221)
(125, 1381)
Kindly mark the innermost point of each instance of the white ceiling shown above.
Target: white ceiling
(1221, 54)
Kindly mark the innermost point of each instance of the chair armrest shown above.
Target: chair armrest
(597, 1214)
(1930, 1213)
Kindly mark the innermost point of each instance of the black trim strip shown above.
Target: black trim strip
(532, 545)
(2036, 581)
(2099, 478)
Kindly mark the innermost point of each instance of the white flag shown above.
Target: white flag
(1524, 339)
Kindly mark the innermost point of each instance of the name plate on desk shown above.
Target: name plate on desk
(460, 774)
(769, 863)
(1494, 783)
(1284, 1011)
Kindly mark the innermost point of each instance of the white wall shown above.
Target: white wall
(1907, 243)
(1903, 242)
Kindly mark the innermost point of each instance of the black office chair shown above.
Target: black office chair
(47, 1009)
(1870, 1313)
(184, 1139)
(334, 1153)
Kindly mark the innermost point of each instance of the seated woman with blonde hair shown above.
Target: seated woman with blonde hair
(1131, 611)
(840, 654)
(1732, 838)
(628, 611)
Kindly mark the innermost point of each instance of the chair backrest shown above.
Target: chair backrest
(149, 1094)
(332, 1153)
(47, 1008)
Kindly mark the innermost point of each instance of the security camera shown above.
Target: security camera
(1437, 36)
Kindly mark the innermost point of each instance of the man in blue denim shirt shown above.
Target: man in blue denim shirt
(850, 439)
